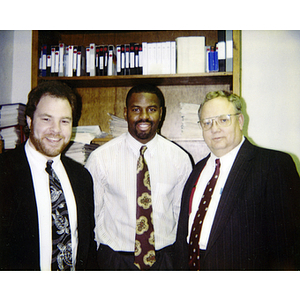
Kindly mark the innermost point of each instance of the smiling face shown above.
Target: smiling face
(222, 140)
(143, 115)
(51, 126)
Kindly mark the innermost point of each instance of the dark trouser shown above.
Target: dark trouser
(110, 260)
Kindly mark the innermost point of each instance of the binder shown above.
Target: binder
(119, 59)
(97, 55)
(92, 59)
(131, 60)
(145, 58)
(221, 50)
(123, 60)
(229, 51)
(127, 59)
(191, 54)
(111, 64)
(44, 60)
(61, 59)
(101, 60)
(105, 53)
(81, 61)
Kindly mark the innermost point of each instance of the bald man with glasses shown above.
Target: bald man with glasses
(240, 205)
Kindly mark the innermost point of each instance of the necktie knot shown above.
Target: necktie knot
(143, 150)
(218, 164)
(49, 167)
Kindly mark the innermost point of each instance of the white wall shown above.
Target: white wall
(6, 62)
(271, 89)
(15, 65)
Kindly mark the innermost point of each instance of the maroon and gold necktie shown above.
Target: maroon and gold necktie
(144, 240)
(194, 251)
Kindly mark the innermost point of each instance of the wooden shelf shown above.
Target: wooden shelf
(131, 80)
(104, 95)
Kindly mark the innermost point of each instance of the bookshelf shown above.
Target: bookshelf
(106, 94)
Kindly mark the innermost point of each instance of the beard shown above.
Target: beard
(42, 147)
(144, 135)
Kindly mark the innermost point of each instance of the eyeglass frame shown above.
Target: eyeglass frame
(214, 119)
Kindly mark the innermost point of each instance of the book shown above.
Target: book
(190, 54)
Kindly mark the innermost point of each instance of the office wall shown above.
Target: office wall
(15, 65)
(271, 89)
(6, 62)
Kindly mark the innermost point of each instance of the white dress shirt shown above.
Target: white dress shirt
(206, 174)
(113, 167)
(37, 163)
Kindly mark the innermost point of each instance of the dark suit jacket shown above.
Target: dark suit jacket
(256, 226)
(19, 229)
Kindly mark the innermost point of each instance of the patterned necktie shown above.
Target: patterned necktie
(194, 252)
(144, 240)
(61, 233)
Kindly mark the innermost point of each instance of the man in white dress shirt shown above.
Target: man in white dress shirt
(113, 167)
(252, 219)
(26, 219)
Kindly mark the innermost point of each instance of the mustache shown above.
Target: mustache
(144, 121)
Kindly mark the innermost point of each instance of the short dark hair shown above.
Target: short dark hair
(146, 88)
(52, 88)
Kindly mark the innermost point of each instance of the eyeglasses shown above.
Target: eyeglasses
(222, 120)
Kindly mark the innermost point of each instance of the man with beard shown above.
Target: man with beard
(115, 167)
(46, 199)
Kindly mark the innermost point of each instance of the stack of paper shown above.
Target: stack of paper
(189, 117)
(117, 126)
(11, 136)
(12, 114)
(80, 147)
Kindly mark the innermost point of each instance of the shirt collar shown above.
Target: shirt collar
(135, 145)
(38, 158)
(230, 156)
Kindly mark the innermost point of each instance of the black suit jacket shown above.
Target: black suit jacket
(256, 226)
(19, 229)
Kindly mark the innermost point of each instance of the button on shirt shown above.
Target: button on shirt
(206, 174)
(113, 167)
(40, 177)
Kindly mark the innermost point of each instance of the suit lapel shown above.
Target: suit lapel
(232, 188)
